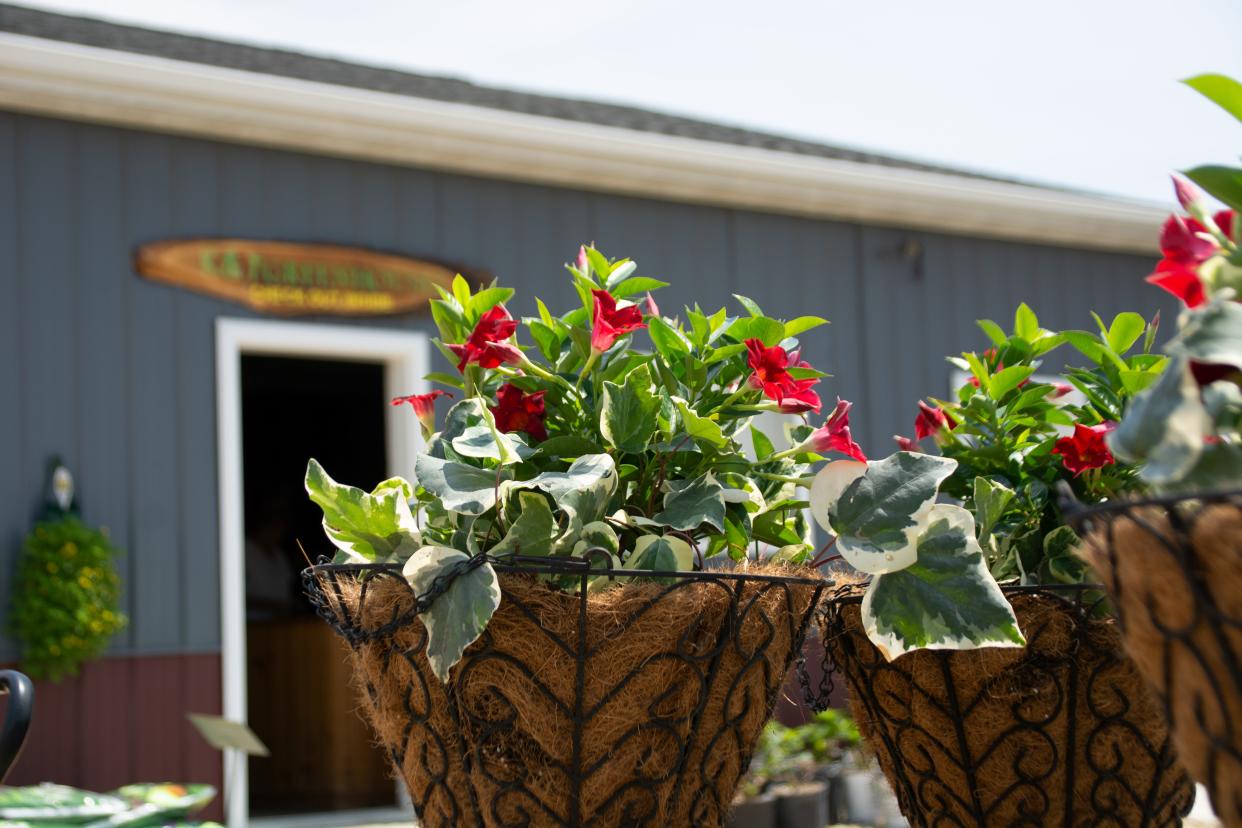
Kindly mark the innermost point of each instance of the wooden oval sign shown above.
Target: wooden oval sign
(295, 279)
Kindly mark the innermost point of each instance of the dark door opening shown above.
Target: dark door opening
(300, 699)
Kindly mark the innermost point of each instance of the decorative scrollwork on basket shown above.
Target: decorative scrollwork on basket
(1060, 732)
(637, 706)
(1173, 569)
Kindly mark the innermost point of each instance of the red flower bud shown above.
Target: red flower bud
(834, 434)
(930, 421)
(905, 443)
(424, 406)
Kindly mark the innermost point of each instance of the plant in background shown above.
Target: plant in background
(1016, 435)
(65, 597)
(1186, 430)
(583, 445)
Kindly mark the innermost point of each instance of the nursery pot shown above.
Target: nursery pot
(634, 705)
(1173, 569)
(753, 812)
(1063, 731)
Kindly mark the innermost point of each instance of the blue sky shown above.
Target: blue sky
(1080, 93)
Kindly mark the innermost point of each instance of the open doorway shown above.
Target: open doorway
(321, 758)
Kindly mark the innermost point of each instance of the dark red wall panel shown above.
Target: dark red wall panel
(124, 720)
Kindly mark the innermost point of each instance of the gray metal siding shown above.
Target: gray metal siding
(117, 373)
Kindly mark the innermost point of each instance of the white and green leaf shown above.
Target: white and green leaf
(628, 411)
(465, 489)
(364, 527)
(689, 504)
(457, 617)
(946, 600)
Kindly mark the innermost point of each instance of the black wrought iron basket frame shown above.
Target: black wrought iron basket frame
(323, 587)
(1181, 512)
(915, 770)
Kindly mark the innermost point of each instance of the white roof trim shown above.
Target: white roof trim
(83, 82)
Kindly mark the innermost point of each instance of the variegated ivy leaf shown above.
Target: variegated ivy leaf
(597, 535)
(533, 530)
(1213, 334)
(461, 488)
(458, 616)
(879, 511)
(661, 554)
(365, 528)
(1165, 426)
(947, 600)
(585, 487)
(689, 504)
(990, 499)
(628, 412)
(471, 430)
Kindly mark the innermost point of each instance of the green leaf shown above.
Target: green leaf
(768, 331)
(546, 338)
(450, 380)
(1087, 344)
(748, 304)
(365, 527)
(1062, 564)
(484, 442)
(691, 503)
(879, 516)
(669, 341)
(661, 554)
(1225, 183)
(532, 532)
(585, 487)
(461, 291)
(545, 315)
(566, 445)
(802, 324)
(1164, 427)
(1025, 323)
(1007, 379)
(597, 535)
(457, 617)
(993, 331)
(1221, 90)
(1125, 331)
(628, 412)
(990, 501)
(980, 371)
(1213, 334)
(763, 445)
(700, 428)
(946, 600)
(488, 298)
(599, 262)
(460, 488)
(637, 284)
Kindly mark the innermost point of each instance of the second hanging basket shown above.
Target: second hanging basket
(1060, 732)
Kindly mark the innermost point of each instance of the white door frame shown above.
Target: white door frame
(404, 355)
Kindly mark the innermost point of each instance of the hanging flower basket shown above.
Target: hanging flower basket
(635, 705)
(1062, 731)
(1179, 599)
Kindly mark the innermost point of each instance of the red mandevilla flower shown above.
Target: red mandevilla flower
(424, 406)
(487, 344)
(1059, 389)
(516, 410)
(1184, 246)
(611, 322)
(834, 434)
(770, 367)
(930, 420)
(1085, 448)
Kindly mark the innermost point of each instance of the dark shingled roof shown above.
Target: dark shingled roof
(93, 32)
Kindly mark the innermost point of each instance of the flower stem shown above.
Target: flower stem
(586, 369)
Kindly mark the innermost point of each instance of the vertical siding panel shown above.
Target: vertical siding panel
(13, 504)
(154, 355)
(106, 704)
(104, 271)
(46, 268)
(159, 735)
(195, 210)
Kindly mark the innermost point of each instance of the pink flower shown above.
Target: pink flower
(834, 434)
(1059, 389)
(515, 410)
(652, 308)
(424, 406)
(930, 421)
(1086, 448)
(611, 322)
(487, 344)
(1187, 193)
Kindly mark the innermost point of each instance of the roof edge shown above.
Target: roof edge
(70, 80)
